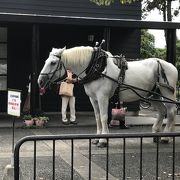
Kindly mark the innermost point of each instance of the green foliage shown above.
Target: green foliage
(109, 2)
(44, 118)
(160, 53)
(41, 118)
(103, 2)
(148, 49)
(147, 45)
(147, 40)
(27, 117)
(164, 6)
(178, 56)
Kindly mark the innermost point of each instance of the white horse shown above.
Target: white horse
(144, 74)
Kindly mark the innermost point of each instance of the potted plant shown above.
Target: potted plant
(41, 120)
(28, 120)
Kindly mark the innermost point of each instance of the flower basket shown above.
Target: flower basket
(28, 120)
(39, 123)
(29, 123)
(41, 120)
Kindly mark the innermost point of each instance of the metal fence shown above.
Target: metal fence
(110, 137)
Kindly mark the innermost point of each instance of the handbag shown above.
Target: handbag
(66, 89)
(118, 115)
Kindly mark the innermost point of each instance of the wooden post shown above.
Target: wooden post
(34, 75)
(171, 46)
(107, 32)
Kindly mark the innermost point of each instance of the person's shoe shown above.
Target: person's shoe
(73, 122)
(65, 122)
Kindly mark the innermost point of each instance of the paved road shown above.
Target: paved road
(44, 153)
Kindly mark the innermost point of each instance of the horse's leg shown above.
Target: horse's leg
(171, 119)
(171, 114)
(103, 106)
(161, 112)
(97, 117)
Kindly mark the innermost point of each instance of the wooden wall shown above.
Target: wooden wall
(122, 41)
(58, 35)
(83, 8)
(125, 41)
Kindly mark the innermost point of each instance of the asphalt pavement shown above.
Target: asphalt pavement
(87, 125)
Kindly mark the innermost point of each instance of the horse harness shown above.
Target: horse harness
(96, 66)
(122, 64)
(59, 66)
(163, 74)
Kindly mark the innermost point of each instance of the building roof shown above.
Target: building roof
(89, 21)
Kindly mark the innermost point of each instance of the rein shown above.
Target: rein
(122, 64)
(134, 89)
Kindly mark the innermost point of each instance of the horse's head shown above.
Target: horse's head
(53, 70)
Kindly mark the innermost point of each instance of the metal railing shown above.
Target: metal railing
(74, 137)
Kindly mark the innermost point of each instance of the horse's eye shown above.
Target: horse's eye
(53, 63)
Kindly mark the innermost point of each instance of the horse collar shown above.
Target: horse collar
(96, 66)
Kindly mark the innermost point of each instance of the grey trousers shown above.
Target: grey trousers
(65, 101)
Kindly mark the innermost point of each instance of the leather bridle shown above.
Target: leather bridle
(59, 67)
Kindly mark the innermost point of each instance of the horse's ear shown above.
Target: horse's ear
(60, 51)
(64, 48)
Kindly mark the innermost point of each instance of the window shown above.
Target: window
(3, 58)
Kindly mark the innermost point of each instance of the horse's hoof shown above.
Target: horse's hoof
(95, 141)
(101, 145)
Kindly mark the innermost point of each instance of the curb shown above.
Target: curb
(84, 119)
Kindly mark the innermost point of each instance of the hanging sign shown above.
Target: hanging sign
(14, 103)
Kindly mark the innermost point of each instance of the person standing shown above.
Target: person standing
(68, 100)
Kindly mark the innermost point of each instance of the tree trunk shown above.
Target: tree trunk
(169, 16)
(165, 19)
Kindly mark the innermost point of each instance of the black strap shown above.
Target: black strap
(163, 74)
(96, 66)
(166, 82)
(123, 66)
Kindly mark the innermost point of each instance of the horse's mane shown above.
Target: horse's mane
(77, 55)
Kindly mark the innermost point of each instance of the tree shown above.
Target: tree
(108, 2)
(178, 55)
(147, 45)
(160, 53)
(148, 49)
(164, 6)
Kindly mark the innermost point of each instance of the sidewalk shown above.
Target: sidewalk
(145, 118)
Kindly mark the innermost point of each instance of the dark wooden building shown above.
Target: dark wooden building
(30, 28)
